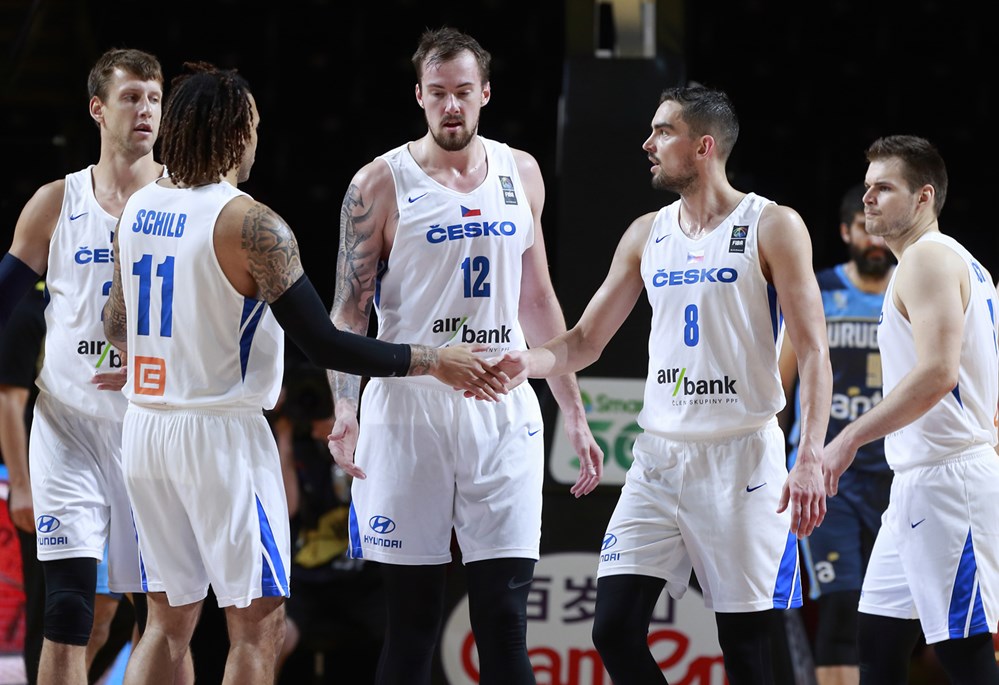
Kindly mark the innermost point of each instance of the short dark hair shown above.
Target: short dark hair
(207, 123)
(443, 45)
(922, 163)
(852, 203)
(136, 62)
(706, 111)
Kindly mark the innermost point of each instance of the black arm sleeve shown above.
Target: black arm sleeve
(304, 318)
(16, 278)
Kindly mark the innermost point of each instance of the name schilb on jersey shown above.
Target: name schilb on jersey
(153, 222)
(473, 229)
(725, 274)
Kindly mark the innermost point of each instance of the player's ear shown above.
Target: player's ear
(419, 96)
(486, 93)
(96, 110)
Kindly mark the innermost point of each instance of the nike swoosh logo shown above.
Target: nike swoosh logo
(917, 523)
(534, 432)
(515, 584)
(660, 238)
(414, 199)
(755, 487)
(74, 218)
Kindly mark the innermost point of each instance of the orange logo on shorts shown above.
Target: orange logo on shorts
(150, 375)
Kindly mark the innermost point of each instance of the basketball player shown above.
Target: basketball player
(836, 553)
(936, 557)
(443, 235)
(65, 230)
(709, 487)
(203, 277)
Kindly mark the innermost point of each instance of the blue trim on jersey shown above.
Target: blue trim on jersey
(273, 579)
(142, 565)
(253, 310)
(787, 589)
(967, 615)
(355, 551)
(956, 392)
(776, 315)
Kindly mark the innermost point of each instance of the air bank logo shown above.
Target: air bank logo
(685, 387)
(455, 325)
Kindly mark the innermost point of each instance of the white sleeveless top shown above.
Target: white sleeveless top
(78, 280)
(716, 329)
(965, 418)
(193, 340)
(454, 271)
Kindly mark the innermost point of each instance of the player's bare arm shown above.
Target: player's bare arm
(273, 260)
(35, 225)
(786, 259)
(115, 329)
(608, 308)
(542, 319)
(931, 291)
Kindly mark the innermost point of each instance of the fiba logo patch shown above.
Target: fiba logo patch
(382, 525)
(47, 524)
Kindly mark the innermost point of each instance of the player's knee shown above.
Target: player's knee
(836, 641)
(69, 600)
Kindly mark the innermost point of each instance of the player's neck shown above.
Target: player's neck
(702, 210)
(900, 243)
(461, 170)
(116, 177)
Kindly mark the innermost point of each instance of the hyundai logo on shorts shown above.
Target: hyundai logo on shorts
(609, 541)
(47, 524)
(382, 525)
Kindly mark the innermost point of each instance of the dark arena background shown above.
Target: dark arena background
(576, 84)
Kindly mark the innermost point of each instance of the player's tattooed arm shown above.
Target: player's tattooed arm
(274, 261)
(357, 269)
(424, 359)
(115, 328)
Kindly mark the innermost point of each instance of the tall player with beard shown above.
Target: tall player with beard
(709, 488)
(443, 236)
(836, 553)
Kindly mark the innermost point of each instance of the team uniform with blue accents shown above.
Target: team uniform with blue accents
(835, 552)
(200, 462)
(709, 466)
(936, 557)
(436, 460)
(74, 450)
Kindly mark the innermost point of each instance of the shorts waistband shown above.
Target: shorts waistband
(720, 436)
(970, 454)
(192, 411)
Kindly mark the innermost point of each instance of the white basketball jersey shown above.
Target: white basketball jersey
(80, 269)
(193, 340)
(966, 417)
(716, 328)
(454, 271)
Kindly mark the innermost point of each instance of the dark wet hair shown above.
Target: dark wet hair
(443, 45)
(707, 112)
(921, 163)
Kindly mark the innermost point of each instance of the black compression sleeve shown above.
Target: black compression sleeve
(304, 318)
(16, 278)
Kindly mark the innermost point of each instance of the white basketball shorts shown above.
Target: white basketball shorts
(936, 557)
(209, 504)
(709, 505)
(78, 493)
(436, 460)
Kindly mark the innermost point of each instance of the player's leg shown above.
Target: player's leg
(414, 599)
(969, 660)
(621, 628)
(746, 644)
(497, 606)
(256, 634)
(886, 646)
(164, 643)
(69, 617)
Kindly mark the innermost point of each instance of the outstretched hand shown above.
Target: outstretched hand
(112, 380)
(837, 458)
(462, 369)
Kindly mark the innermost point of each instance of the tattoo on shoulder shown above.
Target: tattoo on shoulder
(423, 360)
(274, 260)
(357, 261)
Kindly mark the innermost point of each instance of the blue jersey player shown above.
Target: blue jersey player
(836, 553)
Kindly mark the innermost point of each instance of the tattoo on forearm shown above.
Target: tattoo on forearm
(423, 360)
(275, 263)
(115, 320)
(357, 262)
